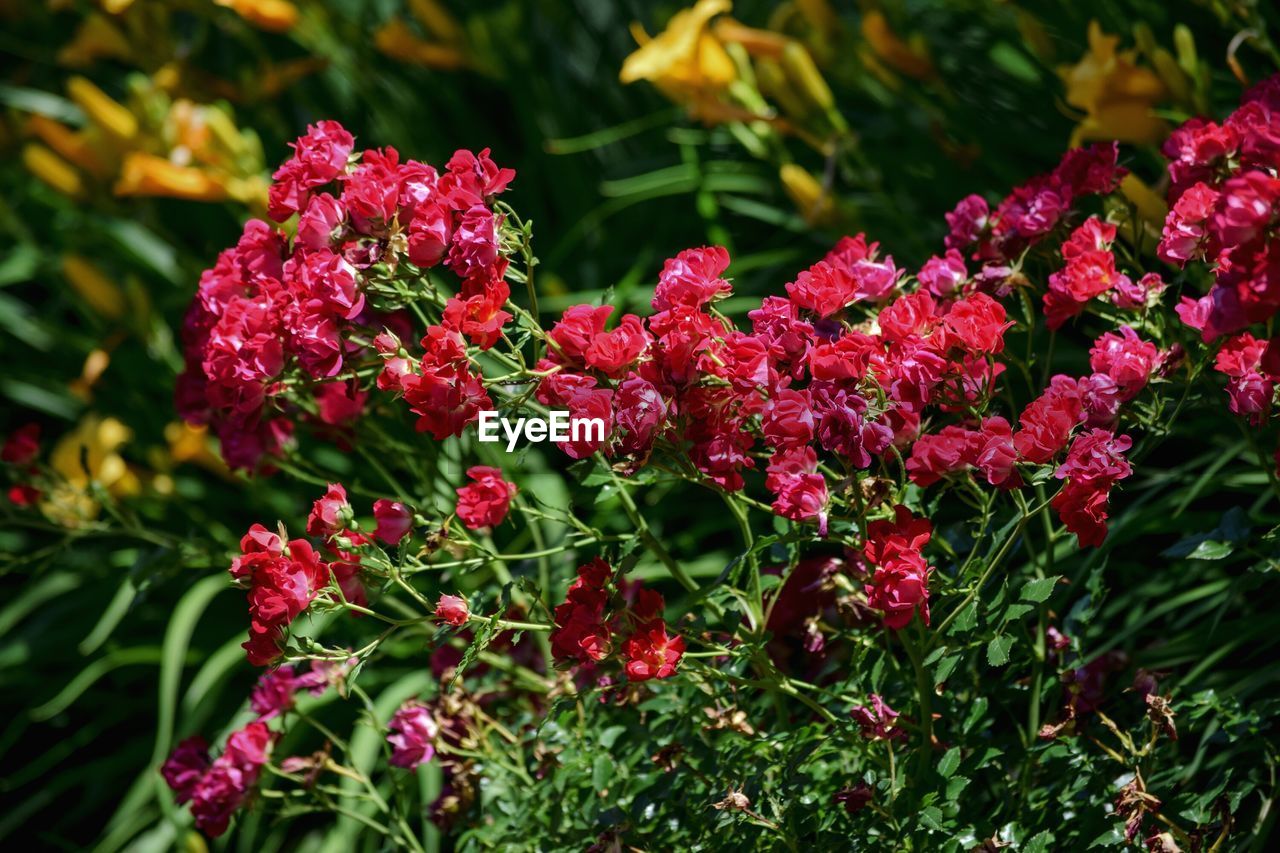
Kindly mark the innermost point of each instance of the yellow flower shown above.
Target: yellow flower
(148, 175)
(397, 41)
(52, 169)
(89, 454)
(685, 61)
(189, 443)
(1117, 96)
(102, 294)
(274, 16)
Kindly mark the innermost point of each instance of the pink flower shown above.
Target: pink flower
(942, 276)
(226, 784)
(484, 502)
(803, 497)
(1184, 227)
(395, 520)
(412, 734)
(692, 278)
(788, 419)
(979, 322)
(823, 289)
(453, 610)
(273, 694)
(331, 513)
(1126, 358)
(967, 222)
(319, 157)
(1093, 465)
(573, 334)
(900, 584)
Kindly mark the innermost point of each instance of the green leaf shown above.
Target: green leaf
(955, 786)
(601, 772)
(944, 668)
(610, 736)
(1016, 611)
(177, 639)
(967, 620)
(1038, 843)
(931, 817)
(1211, 550)
(998, 650)
(949, 762)
(1039, 590)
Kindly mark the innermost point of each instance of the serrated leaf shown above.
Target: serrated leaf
(955, 786)
(967, 620)
(1039, 589)
(1038, 843)
(998, 650)
(931, 817)
(949, 762)
(944, 669)
(1017, 611)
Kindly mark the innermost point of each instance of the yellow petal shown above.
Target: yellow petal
(275, 16)
(676, 52)
(108, 114)
(52, 169)
(93, 286)
(1150, 204)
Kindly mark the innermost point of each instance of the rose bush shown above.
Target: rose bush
(922, 468)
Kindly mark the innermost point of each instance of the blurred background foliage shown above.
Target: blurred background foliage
(136, 136)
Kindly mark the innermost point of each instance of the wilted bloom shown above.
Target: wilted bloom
(184, 767)
(452, 610)
(227, 783)
(876, 721)
(412, 735)
(855, 798)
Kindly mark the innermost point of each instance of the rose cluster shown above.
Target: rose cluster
(282, 329)
(590, 619)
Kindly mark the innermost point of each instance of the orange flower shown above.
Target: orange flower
(148, 175)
